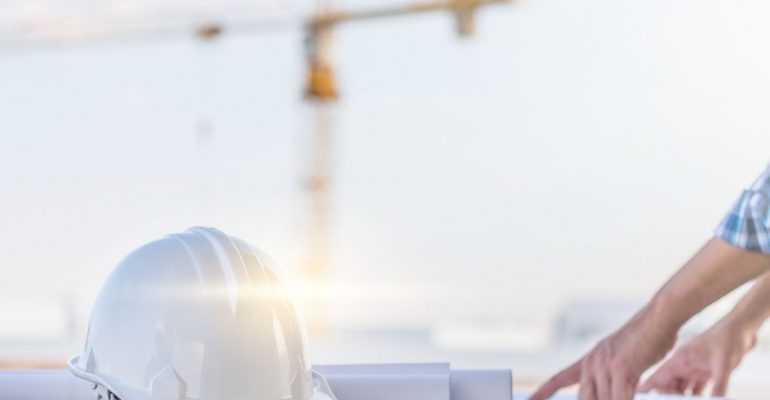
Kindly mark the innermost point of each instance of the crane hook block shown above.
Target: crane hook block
(320, 83)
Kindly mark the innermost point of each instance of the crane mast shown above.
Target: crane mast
(322, 92)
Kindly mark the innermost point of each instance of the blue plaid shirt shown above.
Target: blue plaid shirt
(747, 225)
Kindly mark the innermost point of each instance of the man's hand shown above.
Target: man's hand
(612, 369)
(712, 356)
(708, 358)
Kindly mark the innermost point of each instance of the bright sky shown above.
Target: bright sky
(572, 149)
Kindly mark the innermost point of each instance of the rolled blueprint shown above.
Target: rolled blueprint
(388, 381)
(416, 381)
(469, 384)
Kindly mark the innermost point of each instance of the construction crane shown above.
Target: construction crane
(321, 91)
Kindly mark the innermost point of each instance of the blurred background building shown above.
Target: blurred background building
(501, 199)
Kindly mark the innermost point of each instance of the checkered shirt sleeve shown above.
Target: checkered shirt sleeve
(747, 225)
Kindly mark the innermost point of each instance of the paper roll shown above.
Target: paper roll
(388, 381)
(349, 382)
(466, 384)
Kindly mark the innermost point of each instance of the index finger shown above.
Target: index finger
(567, 377)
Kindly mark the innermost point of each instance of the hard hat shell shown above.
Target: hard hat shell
(197, 315)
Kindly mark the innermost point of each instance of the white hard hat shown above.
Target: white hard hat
(197, 315)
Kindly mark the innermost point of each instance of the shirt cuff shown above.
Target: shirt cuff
(747, 224)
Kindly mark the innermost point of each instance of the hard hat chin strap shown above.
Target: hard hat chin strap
(103, 393)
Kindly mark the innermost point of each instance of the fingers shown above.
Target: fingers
(721, 380)
(668, 383)
(666, 380)
(623, 387)
(670, 380)
(567, 377)
(587, 389)
(697, 387)
(680, 386)
(602, 385)
(601, 381)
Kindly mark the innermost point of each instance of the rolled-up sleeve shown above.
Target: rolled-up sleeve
(747, 224)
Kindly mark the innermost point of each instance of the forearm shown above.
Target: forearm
(714, 271)
(752, 310)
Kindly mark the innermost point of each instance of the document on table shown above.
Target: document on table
(573, 396)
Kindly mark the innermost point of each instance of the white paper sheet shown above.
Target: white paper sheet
(573, 396)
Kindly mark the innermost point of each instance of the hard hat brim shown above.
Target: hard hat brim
(73, 366)
(321, 388)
